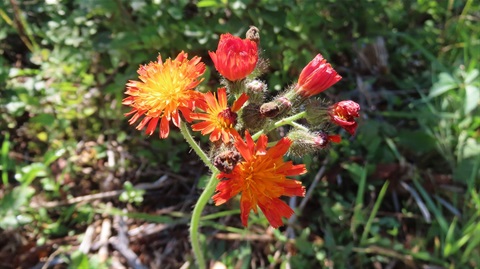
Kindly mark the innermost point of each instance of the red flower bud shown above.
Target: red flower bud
(316, 77)
(235, 58)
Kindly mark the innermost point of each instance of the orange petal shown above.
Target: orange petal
(246, 206)
(262, 145)
(274, 210)
(280, 148)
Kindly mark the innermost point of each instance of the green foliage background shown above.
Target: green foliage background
(403, 192)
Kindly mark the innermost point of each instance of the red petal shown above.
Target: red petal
(239, 102)
(164, 127)
(335, 138)
(151, 126)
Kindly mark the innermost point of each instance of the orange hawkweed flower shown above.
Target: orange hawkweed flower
(164, 89)
(261, 178)
(235, 57)
(316, 77)
(218, 119)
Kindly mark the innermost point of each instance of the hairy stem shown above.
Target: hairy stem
(202, 200)
(188, 137)
(289, 120)
(195, 221)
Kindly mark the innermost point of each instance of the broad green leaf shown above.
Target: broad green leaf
(15, 199)
(440, 88)
(471, 76)
(52, 156)
(44, 119)
(30, 172)
(472, 98)
(445, 83)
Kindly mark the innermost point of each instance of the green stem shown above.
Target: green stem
(299, 126)
(202, 200)
(188, 137)
(195, 221)
(289, 120)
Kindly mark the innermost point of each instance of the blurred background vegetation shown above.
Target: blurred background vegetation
(80, 188)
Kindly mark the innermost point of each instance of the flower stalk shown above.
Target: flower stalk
(202, 155)
(195, 221)
(286, 121)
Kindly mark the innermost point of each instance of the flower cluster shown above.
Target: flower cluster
(237, 120)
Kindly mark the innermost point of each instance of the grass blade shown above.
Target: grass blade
(359, 201)
(438, 215)
(5, 148)
(376, 206)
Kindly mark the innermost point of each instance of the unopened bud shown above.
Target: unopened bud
(252, 119)
(316, 112)
(276, 107)
(269, 109)
(256, 89)
(225, 161)
(253, 34)
(304, 142)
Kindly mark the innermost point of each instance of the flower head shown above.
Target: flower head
(235, 58)
(344, 113)
(218, 119)
(316, 77)
(164, 89)
(261, 178)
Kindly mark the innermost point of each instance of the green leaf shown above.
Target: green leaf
(356, 171)
(209, 3)
(79, 260)
(472, 98)
(471, 76)
(5, 158)
(444, 85)
(472, 244)
(417, 141)
(52, 156)
(175, 12)
(30, 172)
(359, 173)
(44, 118)
(440, 89)
(11, 203)
(464, 170)
(449, 240)
(442, 222)
(373, 213)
